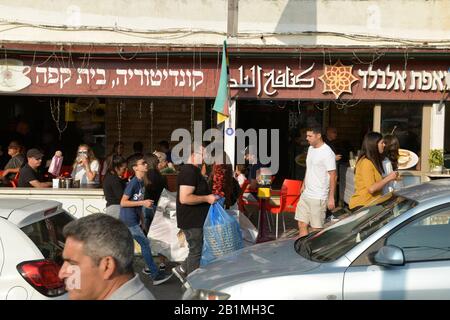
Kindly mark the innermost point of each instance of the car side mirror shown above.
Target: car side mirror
(390, 256)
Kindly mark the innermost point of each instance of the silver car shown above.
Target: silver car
(397, 248)
(31, 245)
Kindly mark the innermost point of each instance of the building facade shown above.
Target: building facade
(136, 71)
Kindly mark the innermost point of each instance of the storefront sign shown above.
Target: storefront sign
(118, 77)
(268, 79)
(338, 79)
(269, 82)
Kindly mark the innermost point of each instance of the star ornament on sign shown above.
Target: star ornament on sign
(338, 79)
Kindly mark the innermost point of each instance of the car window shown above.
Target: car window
(425, 239)
(48, 237)
(336, 240)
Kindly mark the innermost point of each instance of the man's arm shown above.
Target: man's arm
(126, 203)
(11, 170)
(37, 184)
(333, 179)
(303, 184)
(188, 197)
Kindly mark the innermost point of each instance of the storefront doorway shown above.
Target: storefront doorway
(266, 114)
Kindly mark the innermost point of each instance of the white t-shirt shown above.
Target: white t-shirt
(79, 173)
(317, 180)
(241, 179)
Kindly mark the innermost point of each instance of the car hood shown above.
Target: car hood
(270, 259)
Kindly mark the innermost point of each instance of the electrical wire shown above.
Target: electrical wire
(177, 33)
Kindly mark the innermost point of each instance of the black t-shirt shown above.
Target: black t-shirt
(157, 184)
(113, 188)
(192, 216)
(27, 174)
(338, 148)
(252, 170)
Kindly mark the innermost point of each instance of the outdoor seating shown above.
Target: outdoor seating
(288, 199)
(243, 201)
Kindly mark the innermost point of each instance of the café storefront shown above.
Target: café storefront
(146, 97)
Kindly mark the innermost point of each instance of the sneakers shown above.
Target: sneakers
(179, 273)
(161, 278)
(146, 271)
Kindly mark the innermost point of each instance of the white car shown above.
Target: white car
(31, 245)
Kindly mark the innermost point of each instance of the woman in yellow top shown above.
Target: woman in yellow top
(369, 182)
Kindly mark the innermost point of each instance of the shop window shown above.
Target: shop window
(405, 121)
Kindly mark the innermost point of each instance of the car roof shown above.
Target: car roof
(434, 189)
(7, 206)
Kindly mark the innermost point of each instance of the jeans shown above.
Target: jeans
(194, 238)
(144, 242)
(149, 213)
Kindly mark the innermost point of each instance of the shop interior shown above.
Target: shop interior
(62, 123)
(293, 117)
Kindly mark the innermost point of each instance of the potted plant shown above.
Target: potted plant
(436, 160)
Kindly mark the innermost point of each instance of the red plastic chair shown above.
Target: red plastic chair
(242, 202)
(15, 182)
(66, 170)
(289, 196)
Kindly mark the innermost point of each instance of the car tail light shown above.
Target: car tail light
(43, 276)
(50, 211)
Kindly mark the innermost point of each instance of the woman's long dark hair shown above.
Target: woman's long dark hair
(115, 163)
(152, 164)
(369, 150)
(391, 149)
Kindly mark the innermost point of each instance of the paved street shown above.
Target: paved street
(171, 290)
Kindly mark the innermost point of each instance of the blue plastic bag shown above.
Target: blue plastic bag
(221, 234)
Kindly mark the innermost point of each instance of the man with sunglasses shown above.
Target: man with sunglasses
(29, 176)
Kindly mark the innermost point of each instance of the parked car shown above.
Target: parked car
(31, 244)
(396, 248)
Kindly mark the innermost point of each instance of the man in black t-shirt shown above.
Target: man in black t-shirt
(194, 198)
(29, 175)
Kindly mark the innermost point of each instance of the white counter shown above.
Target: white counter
(78, 201)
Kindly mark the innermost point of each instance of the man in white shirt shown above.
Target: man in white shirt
(319, 185)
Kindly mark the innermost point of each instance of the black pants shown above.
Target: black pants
(194, 238)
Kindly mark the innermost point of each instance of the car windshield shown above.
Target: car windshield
(331, 243)
(48, 237)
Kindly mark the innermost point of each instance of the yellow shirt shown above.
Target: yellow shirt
(365, 175)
